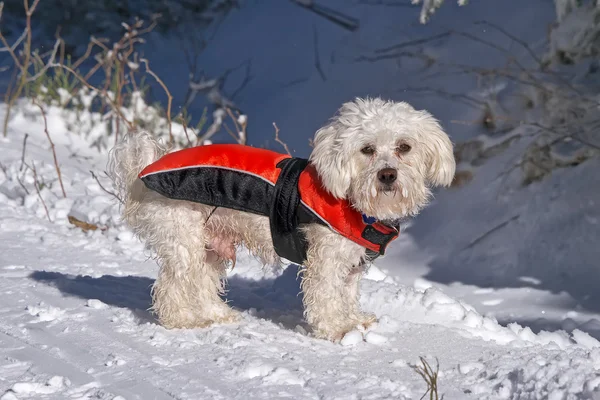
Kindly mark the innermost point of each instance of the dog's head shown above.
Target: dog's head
(383, 156)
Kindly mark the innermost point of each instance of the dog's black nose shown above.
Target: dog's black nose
(387, 176)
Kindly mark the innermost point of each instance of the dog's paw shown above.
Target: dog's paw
(365, 321)
(189, 320)
(334, 335)
(231, 317)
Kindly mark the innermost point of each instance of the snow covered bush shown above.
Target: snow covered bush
(544, 101)
(80, 20)
(429, 7)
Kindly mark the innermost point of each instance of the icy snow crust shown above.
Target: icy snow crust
(74, 322)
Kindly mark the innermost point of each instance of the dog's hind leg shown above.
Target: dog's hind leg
(186, 293)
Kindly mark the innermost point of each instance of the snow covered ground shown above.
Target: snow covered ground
(74, 322)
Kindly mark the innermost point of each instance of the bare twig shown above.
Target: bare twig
(247, 79)
(103, 188)
(317, 57)
(492, 230)
(22, 185)
(334, 16)
(85, 55)
(513, 38)
(560, 137)
(16, 43)
(25, 66)
(391, 3)
(411, 43)
(531, 53)
(45, 68)
(169, 97)
(466, 99)
(233, 135)
(184, 124)
(241, 129)
(23, 152)
(37, 189)
(9, 48)
(95, 89)
(52, 147)
(281, 142)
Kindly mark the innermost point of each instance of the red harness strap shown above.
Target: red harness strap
(245, 178)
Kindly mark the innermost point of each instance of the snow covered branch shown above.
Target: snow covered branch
(430, 6)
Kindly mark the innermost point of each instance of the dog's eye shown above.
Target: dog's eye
(403, 148)
(368, 150)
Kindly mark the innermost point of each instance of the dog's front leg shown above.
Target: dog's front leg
(330, 284)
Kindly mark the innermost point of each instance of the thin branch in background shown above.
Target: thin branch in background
(85, 55)
(169, 97)
(22, 185)
(37, 189)
(9, 48)
(233, 135)
(247, 78)
(281, 142)
(492, 230)
(411, 43)
(241, 128)
(62, 187)
(316, 50)
(465, 99)
(573, 136)
(294, 82)
(531, 53)
(105, 190)
(23, 68)
(513, 38)
(338, 18)
(391, 3)
(23, 152)
(95, 89)
(45, 68)
(391, 53)
(17, 42)
(184, 124)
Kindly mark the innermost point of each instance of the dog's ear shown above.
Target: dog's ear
(440, 161)
(329, 160)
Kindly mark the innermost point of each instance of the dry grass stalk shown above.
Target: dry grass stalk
(430, 376)
(23, 152)
(27, 52)
(281, 142)
(37, 189)
(62, 187)
(117, 59)
(104, 189)
(105, 97)
(239, 127)
(169, 98)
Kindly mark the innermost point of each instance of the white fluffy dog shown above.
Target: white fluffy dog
(382, 156)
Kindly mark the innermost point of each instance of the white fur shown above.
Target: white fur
(193, 242)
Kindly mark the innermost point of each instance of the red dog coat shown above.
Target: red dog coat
(284, 188)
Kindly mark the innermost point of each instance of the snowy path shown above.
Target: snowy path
(74, 325)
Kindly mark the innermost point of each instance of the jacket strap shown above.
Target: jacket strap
(288, 240)
(380, 235)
